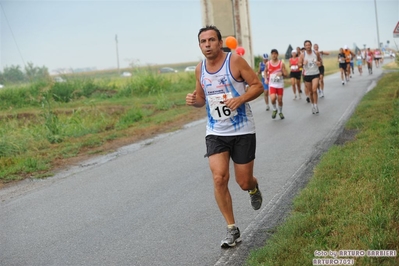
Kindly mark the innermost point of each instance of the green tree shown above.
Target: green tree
(13, 74)
(36, 73)
(30, 71)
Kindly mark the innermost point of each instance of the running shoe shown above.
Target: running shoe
(343, 82)
(313, 110)
(317, 109)
(295, 97)
(299, 96)
(274, 114)
(256, 197)
(307, 99)
(321, 94)
(232, 238)
(267, 108)
(281, 115)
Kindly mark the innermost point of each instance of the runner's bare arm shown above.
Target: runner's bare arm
(197, 97)
(318, 59)
(284, 70)
(242, 71)
(300, 61)
(265, 75)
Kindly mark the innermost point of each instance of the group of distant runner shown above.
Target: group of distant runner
(306, 63)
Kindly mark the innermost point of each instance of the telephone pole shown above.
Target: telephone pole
(376, 20)
(117, 53)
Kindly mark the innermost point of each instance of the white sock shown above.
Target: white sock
(231, 226)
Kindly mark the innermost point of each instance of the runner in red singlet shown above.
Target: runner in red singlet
(277, 72)
(295, 75)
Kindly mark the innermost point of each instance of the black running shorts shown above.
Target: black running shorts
(311, 77)
(296, 75)
(241, 147)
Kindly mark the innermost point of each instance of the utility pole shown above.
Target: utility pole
(376, 20)
(117, 53)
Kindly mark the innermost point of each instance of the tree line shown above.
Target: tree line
(15, 74)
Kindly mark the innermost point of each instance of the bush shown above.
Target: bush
(146, 84)
(22, 96)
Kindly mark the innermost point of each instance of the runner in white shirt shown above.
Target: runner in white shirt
(225, 84)
(310, 60)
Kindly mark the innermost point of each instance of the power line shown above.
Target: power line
(12, 33)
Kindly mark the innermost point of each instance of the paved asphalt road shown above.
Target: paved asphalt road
(152, 203)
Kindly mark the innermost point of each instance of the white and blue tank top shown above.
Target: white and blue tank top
(219, 86)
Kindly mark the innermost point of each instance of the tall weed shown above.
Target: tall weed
(130, 117)
(51, 122)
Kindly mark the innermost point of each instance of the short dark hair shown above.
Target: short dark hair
(210, 27)
(307, 41)
(274, 51)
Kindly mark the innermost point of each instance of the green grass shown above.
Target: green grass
(352, 200)
(42, 123)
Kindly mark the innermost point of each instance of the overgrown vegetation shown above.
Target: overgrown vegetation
(45, 121)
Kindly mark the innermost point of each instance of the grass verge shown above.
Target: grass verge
(352, 201)
(46, 126)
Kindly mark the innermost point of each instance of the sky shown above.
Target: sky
(81, 34)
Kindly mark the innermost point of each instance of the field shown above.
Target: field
(47, 125)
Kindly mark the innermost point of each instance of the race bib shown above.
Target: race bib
(274, 78)
(218, 109)
(294, 67)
